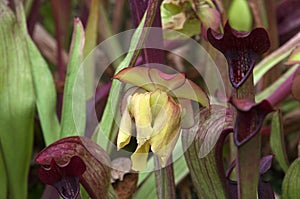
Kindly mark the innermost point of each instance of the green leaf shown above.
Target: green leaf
(180, 169)
(17, 102)
(277, 141)
(274, 58)
(266, 64)
(204, 155)
(45, 93)
(277, 84)
(294, 57)
(291, 181)
(147, 188)
(107, 126)
(91, 33)
(74, 98)
(92, 27)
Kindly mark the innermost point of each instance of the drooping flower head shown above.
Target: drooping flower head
(159, 109)
(241, 50)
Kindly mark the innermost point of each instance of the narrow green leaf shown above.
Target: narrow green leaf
(107, 127)
(274, 58)
(180, 169)
(277, 141)
(294, 57)
(147, 189)
(291, 181)
(74, 98)
(45, 94)
(267, 64)
(91, 32)
(17, 102)
(273, 87)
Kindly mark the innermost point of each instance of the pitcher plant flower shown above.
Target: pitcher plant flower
(73, 160)
(160, 107)
(241, 50)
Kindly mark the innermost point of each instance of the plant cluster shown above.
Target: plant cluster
(204, 103)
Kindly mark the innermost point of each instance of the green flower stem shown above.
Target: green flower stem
(248, 154)
(164, 179)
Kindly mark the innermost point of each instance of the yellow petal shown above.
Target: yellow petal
(165, 152)
(139, 157)
(141, 111)
(165, 136)
(125, 130)
(158, 100)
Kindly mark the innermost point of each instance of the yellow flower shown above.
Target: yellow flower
(157, 113)
(157, 121)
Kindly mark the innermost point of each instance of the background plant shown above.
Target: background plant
(41, 60)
